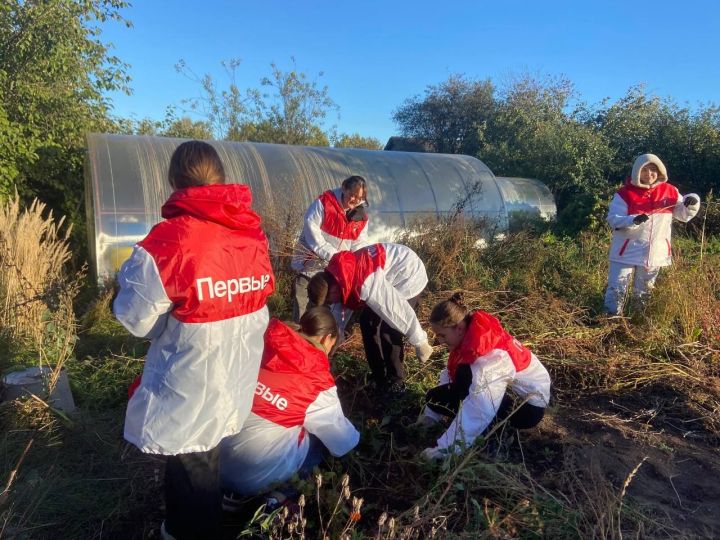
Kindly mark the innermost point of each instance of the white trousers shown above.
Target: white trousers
(619, 278)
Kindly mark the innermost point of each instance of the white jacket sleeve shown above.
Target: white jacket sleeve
(386, 302)
(325, 419)
(313, 235)
(491, 375)
(142, 305)
(686, 213)
(618, 217)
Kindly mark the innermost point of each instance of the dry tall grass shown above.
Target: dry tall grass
(33, 251)
(37, 326)
(37, 321)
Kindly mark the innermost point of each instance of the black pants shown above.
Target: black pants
(301, 302)
(383, 346)
(446, 399)
(192, 495)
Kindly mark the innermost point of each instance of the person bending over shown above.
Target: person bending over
(385, 281)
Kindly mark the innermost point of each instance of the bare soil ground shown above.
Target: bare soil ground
(677, 482)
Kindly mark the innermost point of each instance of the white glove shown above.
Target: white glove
(423, 351)
(433, 454)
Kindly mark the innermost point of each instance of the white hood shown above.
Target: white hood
(640, 162)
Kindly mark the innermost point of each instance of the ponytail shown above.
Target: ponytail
(450, 312)
(195, 163)
(318, 322)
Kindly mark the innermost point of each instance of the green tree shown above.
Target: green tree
(532, 135)
(187, 128)
(628, 125)
(527, 128)
(182, 127)
(356, 140)
(688, 141)
(144, 126)
(451, 116)
(287, 108)
(54, 75)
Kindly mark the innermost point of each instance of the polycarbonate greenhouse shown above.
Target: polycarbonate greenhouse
(126, 185)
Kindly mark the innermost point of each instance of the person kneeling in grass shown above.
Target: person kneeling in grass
(484, 360)
(296, 415)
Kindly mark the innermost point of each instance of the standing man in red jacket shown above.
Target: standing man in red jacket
(336, 221)
(196, 287)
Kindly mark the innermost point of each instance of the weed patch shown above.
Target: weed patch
(627, 447)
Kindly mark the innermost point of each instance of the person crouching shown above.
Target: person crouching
(484, 361)
(296, 415)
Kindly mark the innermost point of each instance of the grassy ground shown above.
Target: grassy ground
(629, 446)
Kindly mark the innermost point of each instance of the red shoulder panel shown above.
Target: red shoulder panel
(484, 334)
(660, 199)
(211, 272)
(335, 222)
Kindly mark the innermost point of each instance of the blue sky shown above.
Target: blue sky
(374, 54)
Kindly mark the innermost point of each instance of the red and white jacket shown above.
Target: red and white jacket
(648, 244)
(497, 360)
(196, 286)
(326, 231)
(295, 394)
(383, 277)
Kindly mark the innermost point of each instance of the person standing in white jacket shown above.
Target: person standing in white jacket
(385, 280)
(196, 286)
(641, 215)
(336, 221)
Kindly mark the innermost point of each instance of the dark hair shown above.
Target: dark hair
(450, 312)
(319, 286)
(354, 182)
(317, 322)
(195, 163)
